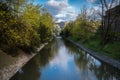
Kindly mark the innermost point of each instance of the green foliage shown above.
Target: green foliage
(79, 29)
(23, 27)
(90, 34)
(45, 26)
(113, 50)
(82, 28)
(67, 29)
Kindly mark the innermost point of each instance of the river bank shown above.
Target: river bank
(13, 64)
(101, 57)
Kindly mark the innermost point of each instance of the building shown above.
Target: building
(112, 20)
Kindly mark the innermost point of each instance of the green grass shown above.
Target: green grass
(112, 49)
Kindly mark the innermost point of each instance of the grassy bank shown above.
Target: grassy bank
(112, 49)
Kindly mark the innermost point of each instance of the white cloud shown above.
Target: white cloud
(61, 10)
(91, 1)
(61, 59)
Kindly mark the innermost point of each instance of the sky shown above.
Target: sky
(64, 10)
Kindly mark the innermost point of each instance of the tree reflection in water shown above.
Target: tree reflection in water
(32, 68)
(88, 64)
(61, 60)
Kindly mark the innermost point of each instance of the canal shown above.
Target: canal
(61, 60)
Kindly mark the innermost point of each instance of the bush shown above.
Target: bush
(24, 28)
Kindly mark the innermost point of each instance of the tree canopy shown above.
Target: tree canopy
(23, 25)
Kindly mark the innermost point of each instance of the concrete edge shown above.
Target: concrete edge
(9, 71)
(98, 56)
(32, 55)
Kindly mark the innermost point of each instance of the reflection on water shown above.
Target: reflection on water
(60, 60)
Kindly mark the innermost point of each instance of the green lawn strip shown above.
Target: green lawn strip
(112, 49)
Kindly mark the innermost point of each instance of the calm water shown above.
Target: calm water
(60, 60)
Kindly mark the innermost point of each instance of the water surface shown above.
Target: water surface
(61, 60)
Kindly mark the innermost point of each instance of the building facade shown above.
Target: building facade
(112, 20)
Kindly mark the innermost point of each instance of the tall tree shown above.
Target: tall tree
(107, 18)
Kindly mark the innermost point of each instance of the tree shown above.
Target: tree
(107, 17)
(46, 25)
(22, 24)
(81, 28)
(67, 31)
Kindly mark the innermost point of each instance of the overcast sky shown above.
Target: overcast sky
(64, 10)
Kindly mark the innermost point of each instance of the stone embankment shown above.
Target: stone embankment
(10, 65)
(98, 56)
